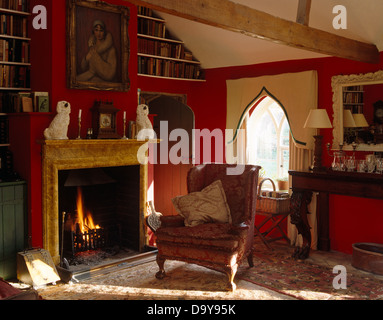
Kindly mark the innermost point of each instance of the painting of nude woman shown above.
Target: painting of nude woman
(98, 46)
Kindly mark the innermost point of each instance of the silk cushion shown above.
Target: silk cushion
(207, 205)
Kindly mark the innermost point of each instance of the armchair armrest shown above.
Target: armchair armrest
(172, 221)
(239, 228)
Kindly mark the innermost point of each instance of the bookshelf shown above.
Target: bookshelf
(14, 67)
(14, 45)
(159, 54)
(353, 99)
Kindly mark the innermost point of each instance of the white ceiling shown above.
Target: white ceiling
(215, 47)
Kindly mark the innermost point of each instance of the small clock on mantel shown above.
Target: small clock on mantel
(104, 120)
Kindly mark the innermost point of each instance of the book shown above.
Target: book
(26, 103)
(22, 102)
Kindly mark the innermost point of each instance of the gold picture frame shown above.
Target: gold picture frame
(97, 46)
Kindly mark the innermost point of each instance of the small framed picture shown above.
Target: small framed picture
(40, 101)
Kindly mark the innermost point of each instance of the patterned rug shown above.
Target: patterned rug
(183, 281)
(275, 276)
(307, 279)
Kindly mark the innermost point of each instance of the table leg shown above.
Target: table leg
(298, 213)
(323, 221)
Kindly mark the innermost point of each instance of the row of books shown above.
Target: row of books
(144, 11)
(358, 108)
(167, 68)
(14, 50)
(4, 125)
(18, 5)
(14, 76)
(13, 25)
(352, 97)
(354, 88)
(160, 48)
(11, 102)
(151, 28)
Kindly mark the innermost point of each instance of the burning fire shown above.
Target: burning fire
(84, 219)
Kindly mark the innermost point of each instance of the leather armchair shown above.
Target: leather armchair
(217, 245)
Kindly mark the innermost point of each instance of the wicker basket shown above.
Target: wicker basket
(271, 204)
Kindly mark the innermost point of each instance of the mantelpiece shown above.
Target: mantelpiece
(338, 83)
(78, 154)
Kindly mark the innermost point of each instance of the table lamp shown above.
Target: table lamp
(360, 120)
(349, 135)
(318, 119)
(348, 120)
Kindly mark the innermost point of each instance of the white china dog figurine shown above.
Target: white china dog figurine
(58, 128)
(143, 122)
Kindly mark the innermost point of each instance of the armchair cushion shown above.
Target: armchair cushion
(207, 205)
(208, 235)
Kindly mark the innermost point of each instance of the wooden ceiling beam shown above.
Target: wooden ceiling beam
(303, 14)
(257, 24)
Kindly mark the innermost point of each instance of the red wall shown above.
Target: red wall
(351, 219)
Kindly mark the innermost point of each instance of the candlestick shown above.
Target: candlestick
(79, 127)
(124, 122)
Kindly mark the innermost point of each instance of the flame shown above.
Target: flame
(84, 219)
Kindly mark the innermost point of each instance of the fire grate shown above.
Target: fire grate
(88, 240)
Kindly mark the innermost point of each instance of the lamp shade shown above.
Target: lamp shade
(360, 120)
(348, 120)
(318, 118)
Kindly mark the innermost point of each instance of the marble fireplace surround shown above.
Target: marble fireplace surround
(80, 154)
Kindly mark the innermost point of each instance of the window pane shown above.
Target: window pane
(266, 140)
(285, 163)
(265, 147)
(285, 134)
(277, 112)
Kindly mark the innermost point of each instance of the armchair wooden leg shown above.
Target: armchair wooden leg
(250, 259)
(231, 272)
(161, 273)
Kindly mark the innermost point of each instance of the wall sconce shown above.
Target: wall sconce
(318, 119)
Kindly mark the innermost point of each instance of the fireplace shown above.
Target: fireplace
(99, 210)
(120, 204)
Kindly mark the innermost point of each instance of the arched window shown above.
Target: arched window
(268, 135)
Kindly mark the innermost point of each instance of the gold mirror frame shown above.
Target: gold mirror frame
(338, 83)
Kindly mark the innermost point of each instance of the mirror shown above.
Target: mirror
(358, 93)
